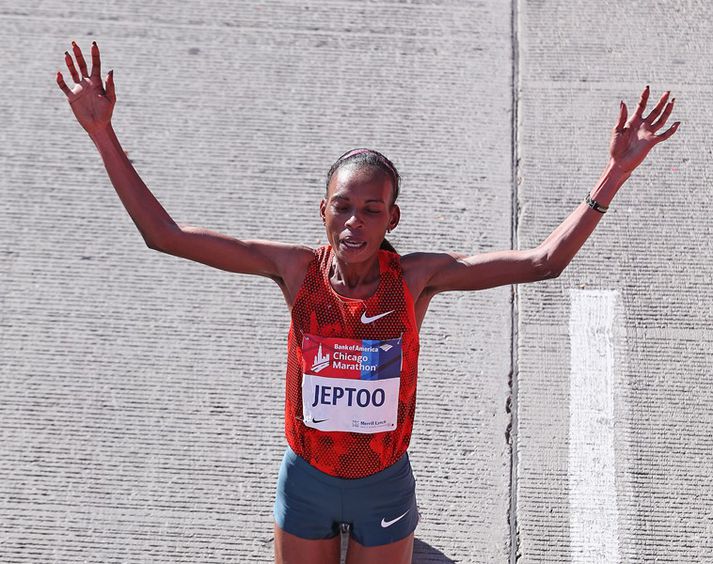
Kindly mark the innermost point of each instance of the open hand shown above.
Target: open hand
(632, 141)
(91, 103)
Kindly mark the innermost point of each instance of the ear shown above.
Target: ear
(322, 209)
(395, 216)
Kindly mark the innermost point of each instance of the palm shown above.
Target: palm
(632, 141)
(91, 103)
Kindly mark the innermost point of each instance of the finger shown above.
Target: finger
(642, 104)
(80, 59)
(96, 61)
(63, 86)
(657, 110)
(110, 90)
(671, 130)
(70, 66)
(662, 120)
(622, 117)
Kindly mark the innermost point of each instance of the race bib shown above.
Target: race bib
(350, 384)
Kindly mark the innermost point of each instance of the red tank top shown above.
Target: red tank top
(351, 371)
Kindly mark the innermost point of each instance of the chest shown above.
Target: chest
(412, 278)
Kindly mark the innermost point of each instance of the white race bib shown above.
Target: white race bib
(350, 384)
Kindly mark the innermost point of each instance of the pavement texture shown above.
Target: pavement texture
(142, 395)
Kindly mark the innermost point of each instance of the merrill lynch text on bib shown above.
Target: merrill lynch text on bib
(350, 384)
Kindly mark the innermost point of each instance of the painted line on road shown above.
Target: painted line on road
(594, 517)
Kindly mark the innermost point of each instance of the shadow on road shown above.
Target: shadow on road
(424, 553)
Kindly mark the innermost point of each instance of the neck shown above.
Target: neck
(353, 275)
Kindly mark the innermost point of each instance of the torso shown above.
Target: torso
(342, 351)
(414, 272)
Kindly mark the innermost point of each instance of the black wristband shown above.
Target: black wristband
(596, 206)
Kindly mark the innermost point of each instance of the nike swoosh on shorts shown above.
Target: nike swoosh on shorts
(385, 523)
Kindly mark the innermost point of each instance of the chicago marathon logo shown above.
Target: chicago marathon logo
(320, 361)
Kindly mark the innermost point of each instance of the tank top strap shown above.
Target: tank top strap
(391, 262)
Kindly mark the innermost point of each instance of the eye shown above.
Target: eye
(373, 211)
(340, 209)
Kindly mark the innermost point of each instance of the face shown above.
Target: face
(358, 211)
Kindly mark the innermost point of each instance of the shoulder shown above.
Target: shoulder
(295, 268)
(300, 257)
(424, 264)
(289, 259)
(419, 268)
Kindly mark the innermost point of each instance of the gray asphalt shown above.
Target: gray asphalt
(141, 411)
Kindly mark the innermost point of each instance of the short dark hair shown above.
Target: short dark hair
(368, 157)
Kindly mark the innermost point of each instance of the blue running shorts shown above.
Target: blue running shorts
(379, 509)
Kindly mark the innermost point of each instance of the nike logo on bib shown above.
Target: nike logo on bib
(385, 523)
(366, 319)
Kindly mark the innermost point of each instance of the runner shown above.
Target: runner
(356, 309)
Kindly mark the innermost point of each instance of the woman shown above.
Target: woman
(356, 309)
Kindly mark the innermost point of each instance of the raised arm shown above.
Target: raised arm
(630, 143)
(93, 106)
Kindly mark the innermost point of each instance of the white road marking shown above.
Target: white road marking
(593, 521)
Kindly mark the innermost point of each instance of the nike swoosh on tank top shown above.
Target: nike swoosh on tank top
(350, 390)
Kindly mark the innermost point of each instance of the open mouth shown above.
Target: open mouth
(353, 243)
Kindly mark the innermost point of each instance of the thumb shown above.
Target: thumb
(110, 90)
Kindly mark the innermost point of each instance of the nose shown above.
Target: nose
(354, 219)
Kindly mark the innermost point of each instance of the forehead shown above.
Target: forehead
(361, 182)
